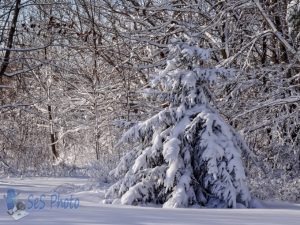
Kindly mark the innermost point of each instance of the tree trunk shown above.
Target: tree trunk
(12, 30)
(52, 135)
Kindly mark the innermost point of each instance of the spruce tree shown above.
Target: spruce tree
(186, 154)
(293, 19)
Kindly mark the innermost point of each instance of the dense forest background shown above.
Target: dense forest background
(72, 71)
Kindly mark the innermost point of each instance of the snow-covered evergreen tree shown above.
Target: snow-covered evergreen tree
(293, 18)
(186, 154)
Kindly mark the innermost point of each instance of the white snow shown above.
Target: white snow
(92, 211)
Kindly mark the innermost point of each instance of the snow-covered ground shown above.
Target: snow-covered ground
(92, 211)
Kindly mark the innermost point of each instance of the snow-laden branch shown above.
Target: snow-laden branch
(270, 103)
(232, 58)
(5, 86)
(12, 106)
(21, 71)
(76, 129)
(24, 49)
(276, 32)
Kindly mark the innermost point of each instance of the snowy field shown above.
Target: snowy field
(92, 211)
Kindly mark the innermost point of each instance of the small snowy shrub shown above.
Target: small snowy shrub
(186, 154)
(272, 188)
(99, 171)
